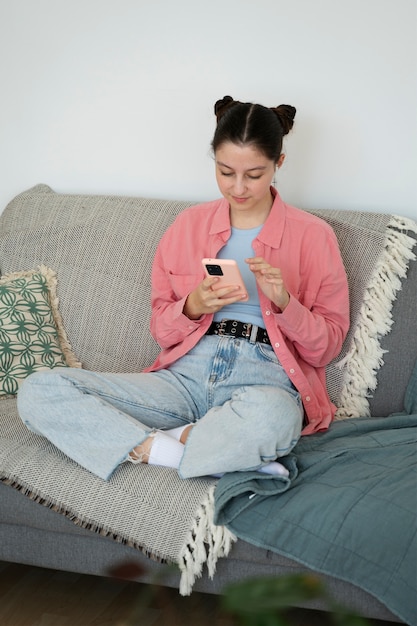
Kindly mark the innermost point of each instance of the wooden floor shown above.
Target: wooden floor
(32, 596)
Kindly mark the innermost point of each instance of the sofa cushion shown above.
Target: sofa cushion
(32, 336)
(102, 249)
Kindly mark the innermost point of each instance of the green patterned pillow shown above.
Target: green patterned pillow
(32, 336)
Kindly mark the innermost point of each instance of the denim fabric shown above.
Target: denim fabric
(247, 409)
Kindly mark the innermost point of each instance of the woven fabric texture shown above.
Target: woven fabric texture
(147, 507)
(376, 250)
(102, 249)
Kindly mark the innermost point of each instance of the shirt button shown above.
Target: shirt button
(268, 312)
(276, 345)
(292, 371)
(308, 398)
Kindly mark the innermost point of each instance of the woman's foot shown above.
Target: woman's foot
(274, 468)
(158, 449)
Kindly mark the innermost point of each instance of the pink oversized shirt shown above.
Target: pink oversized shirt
(306, 336)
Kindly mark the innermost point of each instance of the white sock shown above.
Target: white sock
(274, 468)
(176, 432)
(165, 451)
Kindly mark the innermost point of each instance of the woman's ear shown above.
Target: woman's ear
(280, 160)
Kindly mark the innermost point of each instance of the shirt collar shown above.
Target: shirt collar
(221, 220)
(272, 231)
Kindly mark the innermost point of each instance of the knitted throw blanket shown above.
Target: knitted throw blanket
(149, 508)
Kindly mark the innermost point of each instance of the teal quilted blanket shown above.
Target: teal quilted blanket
(348, 508)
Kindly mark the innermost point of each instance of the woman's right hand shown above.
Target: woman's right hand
(207, 299)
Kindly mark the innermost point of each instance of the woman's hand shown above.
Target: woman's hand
(207, 299)
(270, 281)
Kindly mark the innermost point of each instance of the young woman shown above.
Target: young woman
(240, 374)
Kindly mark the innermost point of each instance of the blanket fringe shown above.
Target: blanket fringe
(78, 521)
(375, 319)
(206, 543)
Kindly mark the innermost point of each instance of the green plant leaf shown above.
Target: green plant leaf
(264, 595)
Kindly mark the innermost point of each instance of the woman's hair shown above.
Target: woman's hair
(246, 123)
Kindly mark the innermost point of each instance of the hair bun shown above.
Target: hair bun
(286, 114)
(224, 105)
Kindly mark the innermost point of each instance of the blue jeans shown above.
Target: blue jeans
(246, 410)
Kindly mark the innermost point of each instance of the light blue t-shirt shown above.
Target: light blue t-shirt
(239, 248)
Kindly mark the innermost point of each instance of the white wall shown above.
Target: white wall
(116, 96)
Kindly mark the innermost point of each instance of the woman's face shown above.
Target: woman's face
(244, 177)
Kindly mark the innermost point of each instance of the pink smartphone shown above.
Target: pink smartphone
(228, 272)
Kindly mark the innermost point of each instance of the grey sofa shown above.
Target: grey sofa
(102, 249)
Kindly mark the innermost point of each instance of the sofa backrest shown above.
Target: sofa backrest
(102, 249)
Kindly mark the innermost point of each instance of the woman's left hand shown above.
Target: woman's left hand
(270, 281)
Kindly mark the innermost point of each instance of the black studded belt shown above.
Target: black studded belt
(233, 328)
